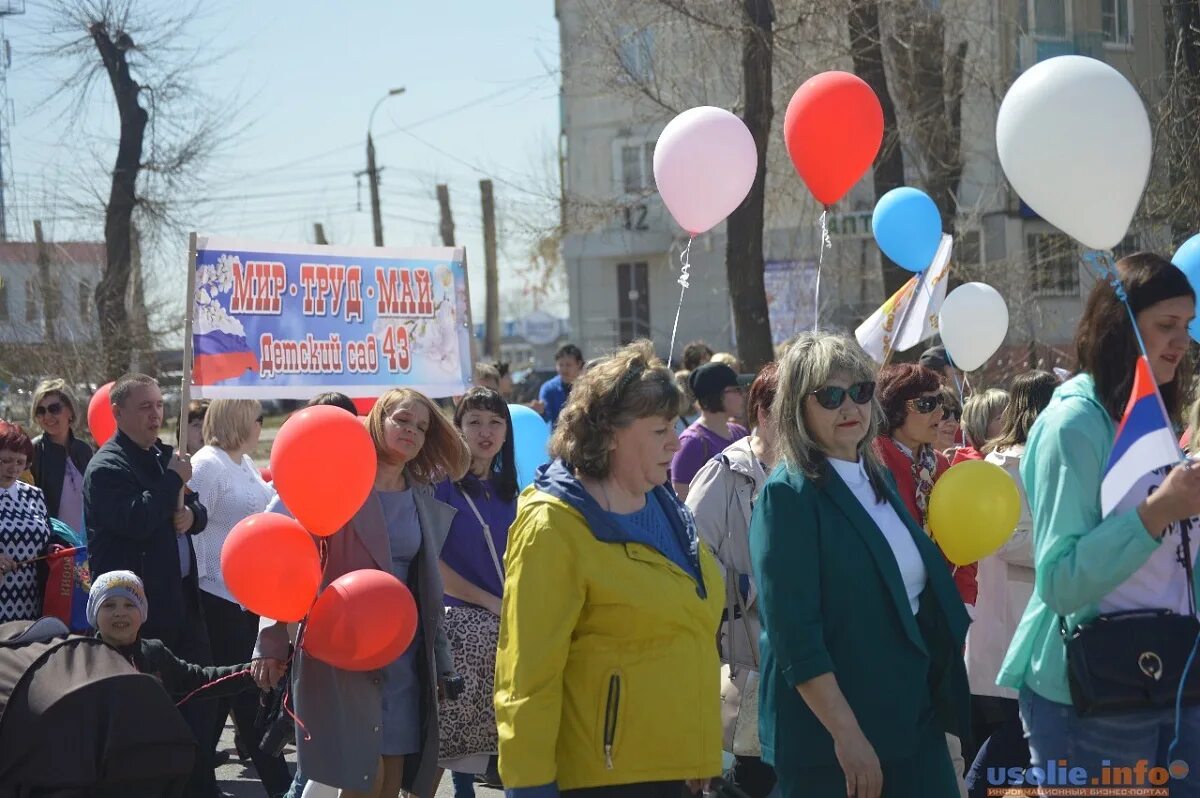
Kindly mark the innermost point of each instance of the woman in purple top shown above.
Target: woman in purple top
(718, 391)
(473, 572)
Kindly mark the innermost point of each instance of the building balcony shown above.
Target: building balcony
(1034, 48)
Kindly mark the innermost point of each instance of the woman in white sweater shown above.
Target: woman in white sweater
(232, 489)
(1005, 581)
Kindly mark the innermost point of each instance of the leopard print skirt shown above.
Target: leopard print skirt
(467, 726)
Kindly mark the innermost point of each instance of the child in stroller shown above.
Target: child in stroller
(117, 608)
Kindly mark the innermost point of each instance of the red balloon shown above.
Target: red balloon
(265, 473)
(323, 464)
(833, 130)
(362, 621)
(271, 566)
(100, 416)
(364, 404)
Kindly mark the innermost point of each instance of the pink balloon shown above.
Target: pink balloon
(704, 165)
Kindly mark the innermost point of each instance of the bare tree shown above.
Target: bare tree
(1173, 197)
(164, 135)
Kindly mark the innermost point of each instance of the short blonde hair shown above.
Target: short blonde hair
(228, 423)
(631, 383)
(56, 386)
(809, 362)
(728, 359)
(978, 411)
(444, 455)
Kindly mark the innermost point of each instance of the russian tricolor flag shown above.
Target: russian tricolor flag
(1144, 442)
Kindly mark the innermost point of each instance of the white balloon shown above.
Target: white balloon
(1074, 141)
(973, 322)
(705, 161)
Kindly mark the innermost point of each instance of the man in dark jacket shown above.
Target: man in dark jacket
(134, 522)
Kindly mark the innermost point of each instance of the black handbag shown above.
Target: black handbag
(1135, 659)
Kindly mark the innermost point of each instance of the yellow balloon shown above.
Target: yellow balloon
(973, 511)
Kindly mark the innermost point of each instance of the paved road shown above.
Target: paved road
(238, 780)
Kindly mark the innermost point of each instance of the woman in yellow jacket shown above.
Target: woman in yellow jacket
(607, 676)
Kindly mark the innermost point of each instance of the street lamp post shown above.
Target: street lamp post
(372, 171)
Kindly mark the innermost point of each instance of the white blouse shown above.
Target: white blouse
(231, 492)
(908, 556)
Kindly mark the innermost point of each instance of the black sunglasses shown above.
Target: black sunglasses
(831, 396)
(53, 409)
(926, 404)
(258, 420)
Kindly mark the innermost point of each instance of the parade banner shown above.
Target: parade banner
(290, 321)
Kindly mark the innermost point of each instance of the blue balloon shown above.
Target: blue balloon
(531, 439)
(1187, 258)
(907, 227)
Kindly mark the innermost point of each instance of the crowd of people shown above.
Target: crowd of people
(697, 568)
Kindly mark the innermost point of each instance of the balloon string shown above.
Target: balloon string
(684, 273)
(204, 687)
(1103, 267)
(826, 243)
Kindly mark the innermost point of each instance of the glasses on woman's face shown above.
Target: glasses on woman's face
(831, 397)
(258, 420)
(951, 413)
(54, 408)
(925, 404)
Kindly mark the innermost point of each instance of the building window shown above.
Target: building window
(31, 308)
(1053, 265)
(633, 301)
(85, 300)
(637, 167)
(3, 300)
(966, 249)
(1048, 18)
(1117, 21)
(635, 51)
(1128, 246)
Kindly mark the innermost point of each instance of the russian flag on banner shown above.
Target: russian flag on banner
(1144, 442)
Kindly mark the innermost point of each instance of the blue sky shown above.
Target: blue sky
(299, 78)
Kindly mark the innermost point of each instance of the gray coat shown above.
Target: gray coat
(342, 710)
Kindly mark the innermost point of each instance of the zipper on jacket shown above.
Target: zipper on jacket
(610, 717)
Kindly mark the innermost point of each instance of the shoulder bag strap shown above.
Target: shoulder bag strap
(487, 535)
(737, 595)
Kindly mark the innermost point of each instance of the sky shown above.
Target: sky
(298, 79)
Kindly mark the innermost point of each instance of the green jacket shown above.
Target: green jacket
(1078, 557)
(833, 600)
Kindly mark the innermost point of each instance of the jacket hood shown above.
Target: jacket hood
(556, 479)
(741, 456)
(1008, 457)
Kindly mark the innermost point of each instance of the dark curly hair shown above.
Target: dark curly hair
(617, 390)
(898, 383)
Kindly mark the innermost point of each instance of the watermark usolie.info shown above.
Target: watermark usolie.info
(1059, 778)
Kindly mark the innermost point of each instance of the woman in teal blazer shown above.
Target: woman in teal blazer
(863, 629)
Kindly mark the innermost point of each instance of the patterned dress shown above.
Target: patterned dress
(24, 535)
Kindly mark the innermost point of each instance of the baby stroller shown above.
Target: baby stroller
(77, 720)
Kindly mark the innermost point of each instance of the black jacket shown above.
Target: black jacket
(181, 678)
(129, 502)
(49, 466)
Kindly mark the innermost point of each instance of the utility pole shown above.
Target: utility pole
(446, 223)
(319, 233)
(373, 171)
(48, 296)
(373, 180)
(491, 316)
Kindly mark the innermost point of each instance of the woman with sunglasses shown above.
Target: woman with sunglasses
(862, 673)
(59, 458)
(231, 489)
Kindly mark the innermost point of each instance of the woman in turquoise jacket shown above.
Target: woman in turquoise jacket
(1085, 563)
(862, 668)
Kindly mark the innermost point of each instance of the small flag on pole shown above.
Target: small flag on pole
(1144, 441)
(896, 327)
